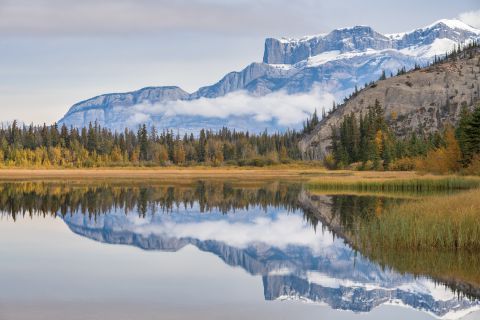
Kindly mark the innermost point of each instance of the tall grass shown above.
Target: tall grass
(397, 185)
(450, 222)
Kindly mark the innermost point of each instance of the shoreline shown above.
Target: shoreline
(306, 173)
(155, 173)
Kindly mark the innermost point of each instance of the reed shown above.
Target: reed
(396, 185)
(448, 222)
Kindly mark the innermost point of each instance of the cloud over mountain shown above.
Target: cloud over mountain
(471, 17)
(280, 107)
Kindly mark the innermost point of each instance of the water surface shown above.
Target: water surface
(204, 250)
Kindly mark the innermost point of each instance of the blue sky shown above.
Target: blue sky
(54, 53)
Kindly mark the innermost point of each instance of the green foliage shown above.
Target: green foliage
(365, 139)
(368, 143)
(468, 134)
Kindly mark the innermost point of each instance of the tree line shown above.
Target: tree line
(94, 146)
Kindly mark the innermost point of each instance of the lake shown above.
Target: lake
(210, 249)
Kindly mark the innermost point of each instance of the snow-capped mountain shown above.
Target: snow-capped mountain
(294, 261)
(295, 77)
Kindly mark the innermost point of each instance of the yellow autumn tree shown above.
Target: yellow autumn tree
(179, 153)
(445, 159)
(116, 155)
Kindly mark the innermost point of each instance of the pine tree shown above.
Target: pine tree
(471, 140)
(143, 142)
(463, 123)
(202, 142)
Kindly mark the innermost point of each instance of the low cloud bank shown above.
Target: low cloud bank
(286, 110)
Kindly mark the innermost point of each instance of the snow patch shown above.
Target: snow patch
(438, 47)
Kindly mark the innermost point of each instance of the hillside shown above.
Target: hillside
(423, 100)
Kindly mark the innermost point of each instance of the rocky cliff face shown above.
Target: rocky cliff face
(292, 51)
(332, 64)
(420, 101)
(362, 38)
(103, 108)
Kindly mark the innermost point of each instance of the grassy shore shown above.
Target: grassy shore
(161, 173)
(303, 172)
(314, 174)
(399, 184)
(447, 222)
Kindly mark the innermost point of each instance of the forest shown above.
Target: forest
(368, 143)
(51, 146)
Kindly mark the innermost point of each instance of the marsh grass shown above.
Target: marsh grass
(447, 222)
(396, 185)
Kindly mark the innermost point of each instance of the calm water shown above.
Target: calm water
(203, 250)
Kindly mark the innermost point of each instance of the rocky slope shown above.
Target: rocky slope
(424, 100)
(332, 64)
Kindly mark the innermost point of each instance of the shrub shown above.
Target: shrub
(445, 159)
(356, 166)
(368, 165)
(329, 161)
(404, 164)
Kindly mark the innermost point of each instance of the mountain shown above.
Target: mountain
(327, 66)
(421, 101)
(297, 264)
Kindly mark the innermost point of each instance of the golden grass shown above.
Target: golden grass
(305, 171)
(158, 173)
(448, 222)
(396, 183)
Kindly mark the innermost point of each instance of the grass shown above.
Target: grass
(245, 173)
(426, 184)
(448, 222)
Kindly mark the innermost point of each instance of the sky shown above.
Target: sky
(54, 53)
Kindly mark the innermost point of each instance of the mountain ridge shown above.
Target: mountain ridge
(334, 63)
(421, 101)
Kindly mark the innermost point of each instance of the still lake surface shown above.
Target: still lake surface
(204, 250)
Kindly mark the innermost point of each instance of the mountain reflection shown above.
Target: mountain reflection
(292, 239)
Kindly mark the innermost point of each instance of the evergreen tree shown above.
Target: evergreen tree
(143, 142)
(471, 135)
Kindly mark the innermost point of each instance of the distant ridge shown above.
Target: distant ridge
(330, 64)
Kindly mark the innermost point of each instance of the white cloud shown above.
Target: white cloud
(279, 232)
(138, 118)
(287, 110)
(471, 18)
